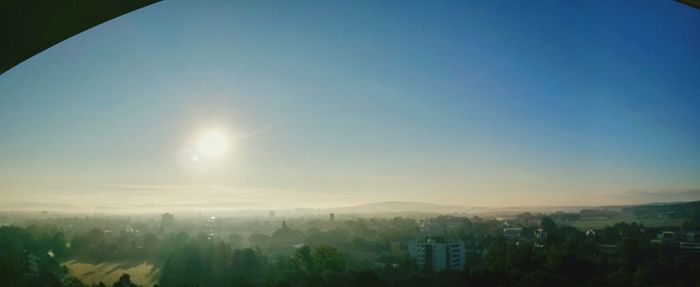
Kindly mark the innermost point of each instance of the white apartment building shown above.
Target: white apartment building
(438, 254)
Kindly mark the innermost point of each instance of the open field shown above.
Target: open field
(108, 273)
(600, 223)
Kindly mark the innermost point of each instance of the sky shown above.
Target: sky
(335, 103)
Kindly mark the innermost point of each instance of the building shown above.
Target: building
(211, 227)
(438, 254)
(690, 247)
(671, 237)
(167, 221)
(512, 233)
(331, 217)
(687, 242)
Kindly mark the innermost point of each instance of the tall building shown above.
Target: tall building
(331, 217)
(438, 254)
(272, 214)
(167, 221)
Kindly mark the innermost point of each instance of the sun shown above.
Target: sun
(213, 144)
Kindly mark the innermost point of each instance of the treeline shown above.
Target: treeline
(676, 210)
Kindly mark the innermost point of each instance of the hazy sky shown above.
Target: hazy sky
(329, 103)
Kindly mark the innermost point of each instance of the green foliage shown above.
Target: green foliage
(124, 281)
(26, 260)
(207, 262)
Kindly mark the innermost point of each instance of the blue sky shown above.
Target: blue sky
(333, 103)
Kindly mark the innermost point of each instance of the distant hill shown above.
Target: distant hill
(424, 207)
(399, 206)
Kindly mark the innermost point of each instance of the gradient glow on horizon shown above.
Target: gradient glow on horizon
(347, 102)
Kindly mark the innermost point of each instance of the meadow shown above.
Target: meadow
(142, 274)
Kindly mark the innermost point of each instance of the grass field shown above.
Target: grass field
(108, 273)
(600, 223)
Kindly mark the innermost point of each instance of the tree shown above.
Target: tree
(318, 266)
(246, 263)
(124, 281)
(24, 261)
(258, 240)
(328, 259)
(552, 231)
(71, 281)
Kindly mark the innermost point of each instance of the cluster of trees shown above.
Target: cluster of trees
(569, 257)
(26, 260)
(202, 262)
(32, 256)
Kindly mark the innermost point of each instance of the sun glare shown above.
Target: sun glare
(213, 144)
